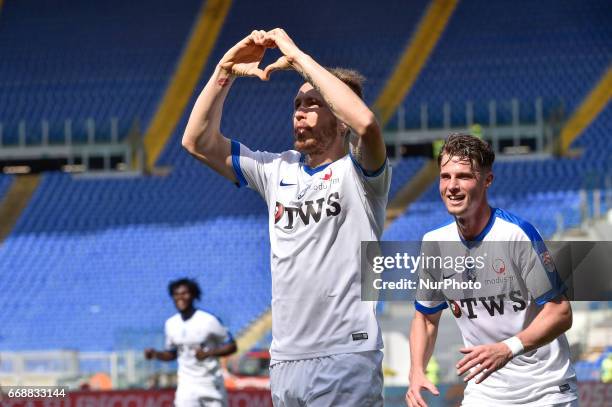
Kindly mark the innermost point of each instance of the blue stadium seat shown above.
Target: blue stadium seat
(402, 171)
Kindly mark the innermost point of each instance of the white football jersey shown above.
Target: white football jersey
(185, 337)
(497, 311)
(317, 220)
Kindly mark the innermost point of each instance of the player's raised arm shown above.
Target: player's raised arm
(202, 137)
(423, 333)
(344, 103)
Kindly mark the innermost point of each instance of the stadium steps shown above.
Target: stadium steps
(254, 332)
(588, 110)
(412, 191)
(15, 201)
(178, 93)
(414, 58)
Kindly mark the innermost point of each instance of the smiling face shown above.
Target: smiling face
(183, 299)
(315, 128)
(463, 186)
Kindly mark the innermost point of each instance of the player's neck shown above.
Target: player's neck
(188, 313)
(317, 160)
(471, 226)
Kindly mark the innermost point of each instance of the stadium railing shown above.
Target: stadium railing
(518, 133)
(113, 145)
(71, 368)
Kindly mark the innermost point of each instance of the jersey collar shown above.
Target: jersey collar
(312, 171)
(484, 231)
(188, 316)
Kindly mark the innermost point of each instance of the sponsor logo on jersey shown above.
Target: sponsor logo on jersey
(455, 308)
(285, 184)
(360, 336)
(494, 305)
(303, 192)
(325, 185)
(547, 261)
(278, 211)
(499, 266)
(499, 280)
(327, 175)
(310, 211)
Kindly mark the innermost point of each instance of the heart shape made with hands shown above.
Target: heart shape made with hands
(244, 58)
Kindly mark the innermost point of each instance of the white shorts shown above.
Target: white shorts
(347, 379)
(200, 396)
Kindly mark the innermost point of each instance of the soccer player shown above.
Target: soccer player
(322, 202)
(197, 339)
(515, 351)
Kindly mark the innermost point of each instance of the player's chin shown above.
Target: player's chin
(306, 146)
(454, 209)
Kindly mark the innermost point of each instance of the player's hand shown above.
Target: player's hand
(279, 38)
(149, 353)
(418, 382)
(281, 63)
(485, 359)
(243, 58)
(201, 354)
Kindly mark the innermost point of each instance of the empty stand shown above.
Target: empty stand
(536, 190)
(549, 49)
(552, 49)
(90, 258)
(67, 59)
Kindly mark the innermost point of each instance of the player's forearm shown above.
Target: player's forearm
(202, 133)
(423, 335)
(224, 350)
(345, 104)
(553, 320)
(165, 356)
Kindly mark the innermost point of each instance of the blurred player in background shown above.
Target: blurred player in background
(322, 202)
(515, 352)
(197, 339)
